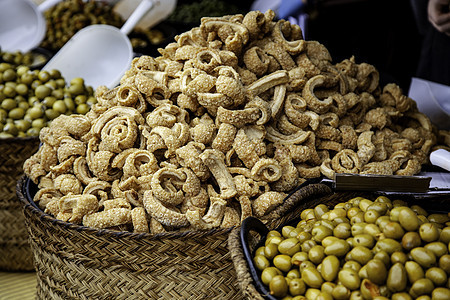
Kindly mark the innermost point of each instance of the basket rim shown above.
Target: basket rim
(29, 205)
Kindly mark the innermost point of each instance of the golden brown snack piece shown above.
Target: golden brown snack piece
(232, 116)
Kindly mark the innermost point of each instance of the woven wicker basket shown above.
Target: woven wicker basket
(15, 252)
(246, 282)
(73, 261)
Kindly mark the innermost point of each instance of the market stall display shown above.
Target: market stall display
(140, 194)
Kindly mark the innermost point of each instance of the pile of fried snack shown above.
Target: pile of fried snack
(232, 116)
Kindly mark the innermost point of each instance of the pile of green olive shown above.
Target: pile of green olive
(360, 249)
(17, 58)
(67, 17)
(31, 99)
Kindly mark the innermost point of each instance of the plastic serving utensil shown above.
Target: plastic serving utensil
(100, 54)
(22, 24)
(441, 158)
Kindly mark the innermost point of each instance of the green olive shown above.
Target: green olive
(307, 245)
(422, 286)
(382, 221)
(82, 109)
(297, 287)
(271, 250)
(419, 210)
(411, 240)
(429, 232)
(22, 125)
(356, 295)
(293, 273)
(10, 128)
(364, 204)
(316, 254)
(306, 264)
(342, 230)
(312, 277)
(278, 286)
(380, 207)
(307, 214)
(268, 273)
(408, 219)
(259, 251)
(289, 246)
(42, 91)
(312, 293)
(324, 296)
(8, 104)
(261, 262)
(401, 296)
(299, 257)
(286, 230)
(353, 212)
(349, 278)
(328, 287)
(338, 248)
(16, 113)
(394, 214)
(440, 293)
(351, 264)
(319, 210)
(399, 257)
(371, 216)
(438, 248)
(361, 254)
(38, 123)
(304, 236)
(60, 106)
(358, 228)
(423, 297)
(423, 257)
(437, 276)
(373, 230)
(388, 245)
(445, 235)
(330, 268)
(337, 213)
(358, 218)
(438, 218)
(282, 262)
(444, 263)
(365, 240)
(397, 278)
(340, 292)
(273, 240)
(369, 289)
(320, 232)
(376, 271)
(393, 230)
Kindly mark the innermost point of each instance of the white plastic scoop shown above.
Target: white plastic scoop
(100, 54)
(22, 24)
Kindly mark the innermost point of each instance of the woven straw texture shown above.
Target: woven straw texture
(75, 262)
(301, 200)
(15, 252)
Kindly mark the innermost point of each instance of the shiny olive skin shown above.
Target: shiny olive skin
(440, 293)
(261, 262)
(327, 287)
(338, 247)
(376, 271)
(361, 254)
(289, 246)
(401, 296)
(423, 257)
(393, 230)
(420, 287)
(340, 292)
(438, 248)
(388, 245)
(397, 278)
(316, 254)
(268, 273)
(444, 263)
(312, 277)
(414, 271)
(408, 219)
(429, 232)
(297, 287)
(282, 262)
(365, 240)
(330, 268)
(437, 276)
(411, 240)
(278, 286)
(349, 278)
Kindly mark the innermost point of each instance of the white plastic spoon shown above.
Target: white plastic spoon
(22, 24)
(100, 54)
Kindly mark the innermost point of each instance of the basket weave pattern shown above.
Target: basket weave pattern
(15, 252)
(75, 262)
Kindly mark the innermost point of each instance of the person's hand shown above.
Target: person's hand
(439, 15)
